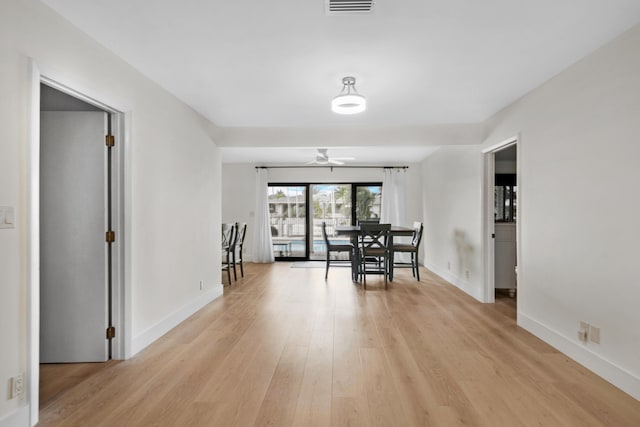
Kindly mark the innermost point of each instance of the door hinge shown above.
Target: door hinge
(111, 236)
(111, 332)
(493, 235)
(110, 140)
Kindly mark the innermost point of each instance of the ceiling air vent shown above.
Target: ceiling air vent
(349, 6)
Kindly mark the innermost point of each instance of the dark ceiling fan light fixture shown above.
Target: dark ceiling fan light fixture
(348, 101)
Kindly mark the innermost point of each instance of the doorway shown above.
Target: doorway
(331, 204)
(288, 220)
(505, 221)
(78, 240)
(502, 202)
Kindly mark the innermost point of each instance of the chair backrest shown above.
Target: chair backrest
(241, 232)
(228, 235)
(418, 227)
(374, 235)
(324, 234)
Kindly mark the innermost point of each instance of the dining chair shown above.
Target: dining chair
(359, 222)
(411, 248)
(374, 246)
(228, 241)
(239, 243)
(335, 248)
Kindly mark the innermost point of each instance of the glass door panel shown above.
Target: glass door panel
(367, 200)
(287, 217)
(332, 204)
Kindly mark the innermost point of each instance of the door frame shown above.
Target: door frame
(488, 229)
(121, 194)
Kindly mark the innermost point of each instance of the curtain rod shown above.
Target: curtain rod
(332, 167)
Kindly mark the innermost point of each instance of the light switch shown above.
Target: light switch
(7, 217)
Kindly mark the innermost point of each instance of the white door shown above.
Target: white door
(73, 251)
(505, 256)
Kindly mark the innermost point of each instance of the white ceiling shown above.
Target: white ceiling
(254, 63)
(383, 156)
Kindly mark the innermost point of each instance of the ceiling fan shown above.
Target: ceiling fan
(322, 158)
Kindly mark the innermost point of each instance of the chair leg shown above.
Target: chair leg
(413, 266)
(363, 271)
(228, 269)
(241, 269)
(387, 270)
(417, 266)
(326, 269)
(233, 261)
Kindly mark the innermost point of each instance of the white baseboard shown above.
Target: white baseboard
(19, 417)
(141, 341)
(464, 285)
(616, 375)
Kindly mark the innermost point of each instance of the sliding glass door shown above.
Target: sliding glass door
(296, 213)
(288, 221)
(332, 204)
(367, 200)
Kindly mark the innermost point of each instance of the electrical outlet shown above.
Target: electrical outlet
(201, 284)
(583, 336)
(583, 333)
(594, 334)
(17, 387)
(466, 274)
(449, 265)
(7, 217)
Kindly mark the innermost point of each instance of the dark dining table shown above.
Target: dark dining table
(354, 230)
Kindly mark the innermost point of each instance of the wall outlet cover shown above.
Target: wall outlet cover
(584, 326)
(16, 386)
(7, 217)
(594, 334)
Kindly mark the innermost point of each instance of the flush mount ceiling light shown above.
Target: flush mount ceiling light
(348, 101)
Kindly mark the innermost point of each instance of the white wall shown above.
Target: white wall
(579, 212)
(452, 195)
(239, 200)
(239, 189)
(442, 134)
(580, 245)
(173, 178)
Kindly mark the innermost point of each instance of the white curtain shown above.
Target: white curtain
(394, 205)
(394, 198)
(262, 244)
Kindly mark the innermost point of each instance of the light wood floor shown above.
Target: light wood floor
(284, 348)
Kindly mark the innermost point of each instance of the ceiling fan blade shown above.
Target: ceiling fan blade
(322, 154)
(322, 158)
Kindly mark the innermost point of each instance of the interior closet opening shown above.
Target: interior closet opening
(79, 218)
